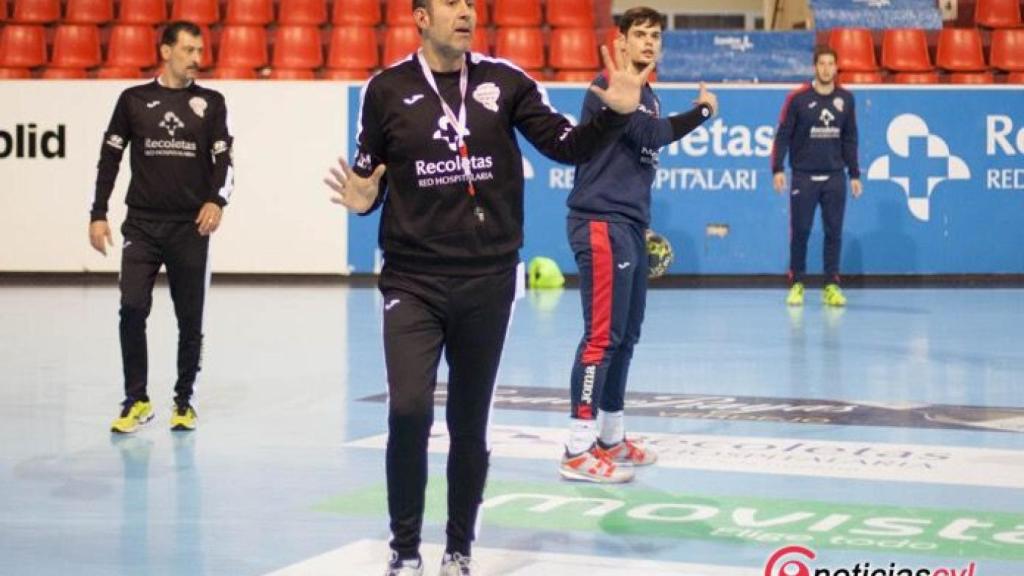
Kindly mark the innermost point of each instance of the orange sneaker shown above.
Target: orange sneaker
(593, 466)
(628, 452)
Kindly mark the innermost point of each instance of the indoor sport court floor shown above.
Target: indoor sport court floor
(888, 436)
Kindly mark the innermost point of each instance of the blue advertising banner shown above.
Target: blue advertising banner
(942, 171)
(876, 14)
(726, 56)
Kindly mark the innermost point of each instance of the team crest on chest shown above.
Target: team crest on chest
(838, 104)
(487, 94)
(198, 106)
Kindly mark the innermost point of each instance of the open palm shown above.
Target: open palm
(624, 82)
(351, 190)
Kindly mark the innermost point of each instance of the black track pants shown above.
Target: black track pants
(466, 318)
(149, 244)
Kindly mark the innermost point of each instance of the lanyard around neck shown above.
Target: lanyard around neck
(457, 122)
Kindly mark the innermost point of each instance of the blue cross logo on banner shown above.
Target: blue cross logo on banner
(919, 163)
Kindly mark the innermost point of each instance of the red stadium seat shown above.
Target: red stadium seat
(1015, 78)
(118, 73)
(341, 74)
(15, 74)
(64, 74)
(571, 13)
(915, 78)
(576, 75)
(356, 12)
(997, 13)
(610, 34)
(483, 15)
(399, 13)
(302, 12)
(960, 50)
(855, 49)
(970, 78)
(1008, 50)
(292, 74)
(76, 46)
(36, 11)
(523, 46)
(22, 46)
(230, 73)
(481, 41)
(3, 11)
(249, 12)
(297, 47)
(399, 42)
(89, 11)
(906, 50)
(517, 13)
(574, 48)
(142, 12)
(242, 47)
(131, 47)
(197, 11)
(353, 48)
(860, 77)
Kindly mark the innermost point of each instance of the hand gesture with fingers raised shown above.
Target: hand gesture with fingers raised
(351, 190)
(624, 82)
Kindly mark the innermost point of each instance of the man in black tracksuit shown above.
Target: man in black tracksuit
(181, 179)
(442, 121)
(818, 128)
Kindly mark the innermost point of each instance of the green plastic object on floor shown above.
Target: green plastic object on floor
(544, 274)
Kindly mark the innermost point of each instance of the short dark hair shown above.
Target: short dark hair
(820, 51)
(420, 4)
(170, 35)
(641, 15)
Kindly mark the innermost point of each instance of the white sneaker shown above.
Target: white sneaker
(396, 567)
(593, 466)
(456, 565)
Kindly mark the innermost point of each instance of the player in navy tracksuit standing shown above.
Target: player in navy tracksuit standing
(818, 127)
(609, 212)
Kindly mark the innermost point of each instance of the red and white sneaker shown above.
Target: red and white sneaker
(628, 452)
(593, 466)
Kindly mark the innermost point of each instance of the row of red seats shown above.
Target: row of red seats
(560, 13)
(299, 47)
(997, 13)
(905, 54)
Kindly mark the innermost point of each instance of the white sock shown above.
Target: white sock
(612, 428)
(581, 435)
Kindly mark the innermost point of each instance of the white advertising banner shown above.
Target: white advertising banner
(287, 135)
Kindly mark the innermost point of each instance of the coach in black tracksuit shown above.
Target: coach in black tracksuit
(181, 179)
(451, 228)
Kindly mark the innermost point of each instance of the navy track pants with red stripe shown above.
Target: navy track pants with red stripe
(612, 262)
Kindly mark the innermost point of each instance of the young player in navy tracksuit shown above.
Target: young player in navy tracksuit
(609, 212)
(818, 127)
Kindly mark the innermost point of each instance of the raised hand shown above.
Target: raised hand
(351, 190)
(706, 97)
(624, 82)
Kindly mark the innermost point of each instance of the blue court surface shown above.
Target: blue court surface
(885, 436)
